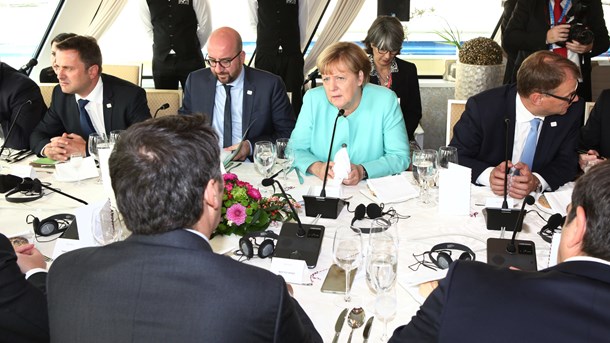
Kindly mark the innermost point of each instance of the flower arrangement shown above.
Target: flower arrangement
(245, 210)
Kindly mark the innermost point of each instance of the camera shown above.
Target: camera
(579, 31)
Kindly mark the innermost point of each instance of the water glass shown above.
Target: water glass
(385, 310)
(382, 257)
(424, 164)
(446, 155)
(108, 227)
(115, 135)
(264, 157)
(347, 254)
(285, 155)
(95, 139)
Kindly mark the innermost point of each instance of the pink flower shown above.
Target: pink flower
(228, 186)
(237, 214)
(229, 177)
(254, 193)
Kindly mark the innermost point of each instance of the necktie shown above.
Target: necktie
(85, 122)
(227, 135)
(557, 14)
(529, 150)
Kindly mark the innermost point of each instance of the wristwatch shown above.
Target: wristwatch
(365, 174)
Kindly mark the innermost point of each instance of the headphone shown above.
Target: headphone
(443, 259)
(51, 225)
(371, 211)
(265, 249)
(30, 190)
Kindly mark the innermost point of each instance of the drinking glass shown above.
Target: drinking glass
(347, 254)
(424, 164)
(107, 228)
(285, 155)
(385, 310)
(95, 139)
(382, 257)
(115, 135)
(446, 155)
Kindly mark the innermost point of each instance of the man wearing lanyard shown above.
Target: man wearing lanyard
(546, 24)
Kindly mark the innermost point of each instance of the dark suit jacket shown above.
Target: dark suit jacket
(596, 132)
(124, 105)
(526, 33)
(479, 136)
(265, 105)
(405, 84)
(23, 307)
(480, 303)
(15, 90)
(169, 287)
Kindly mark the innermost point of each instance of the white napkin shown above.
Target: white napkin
(67, 172)
(392, 188)
(342, 166)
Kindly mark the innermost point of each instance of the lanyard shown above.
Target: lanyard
(563, 12)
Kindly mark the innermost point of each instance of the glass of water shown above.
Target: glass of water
(285, 155)
(424, 164)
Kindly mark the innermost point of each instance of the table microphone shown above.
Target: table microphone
(297, 240)
(31, 64)
(503, 218)
(326, 207)
(520, 254)
(163, 107)
(10, 130)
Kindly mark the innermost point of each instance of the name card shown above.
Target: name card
(293, 271)
(454, 190)
(23, 171)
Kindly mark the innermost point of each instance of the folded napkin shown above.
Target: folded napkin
(342, 166)
(69, 172)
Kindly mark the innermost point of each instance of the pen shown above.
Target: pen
(586, 152)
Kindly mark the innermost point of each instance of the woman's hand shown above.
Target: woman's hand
(354, 176)
(319, 169)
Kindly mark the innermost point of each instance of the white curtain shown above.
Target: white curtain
(340, 20)
(107, 13)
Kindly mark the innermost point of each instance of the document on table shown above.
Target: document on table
(392, 189)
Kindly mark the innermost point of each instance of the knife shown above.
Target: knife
(339, 324)
(367, 329)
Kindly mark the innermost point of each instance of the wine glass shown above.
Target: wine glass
(264, 159)
(76, 161)
(382, 257)
(95, 140)
(285, 155)
(115, 135)
(385, 310)
(424, 163)
(107, 228)
(347, 254)
(446, 155)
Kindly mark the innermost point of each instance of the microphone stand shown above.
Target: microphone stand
(10, 130)
(297, 240)
(332, 140)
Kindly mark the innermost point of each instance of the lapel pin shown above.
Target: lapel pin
(249, 92)
(108, 105)
(553, 123)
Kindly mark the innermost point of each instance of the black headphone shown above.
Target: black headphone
(265, 249)
(29, 190)
(443, 259)
(371, 211)
(51, 225)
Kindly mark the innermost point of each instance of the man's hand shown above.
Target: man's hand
(559, 33)
(496, 178)
(60, 148)
(319, 168)
(354, 176)
(591, 158)
(524, 183)
(579, 48)
(244, 150)
(29, 258)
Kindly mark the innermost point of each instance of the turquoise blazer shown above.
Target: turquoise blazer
(374, 133)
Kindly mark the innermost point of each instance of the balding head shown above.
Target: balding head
(225, 45)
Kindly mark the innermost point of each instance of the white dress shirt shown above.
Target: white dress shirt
(95, 107)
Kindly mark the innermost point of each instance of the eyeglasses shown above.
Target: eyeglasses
(569, 99)
(225, 63)
(383, 52)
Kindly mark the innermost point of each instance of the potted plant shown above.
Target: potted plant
(480, 67)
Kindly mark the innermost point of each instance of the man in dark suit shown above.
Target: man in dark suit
(23, 305)
(257, 103)
(19, 93)
(542, 109)
(533, 27)
(594, 137)
(85, 101)
(568, 302)
(164, 283)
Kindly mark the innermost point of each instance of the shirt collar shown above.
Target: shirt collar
(198, 234)
(393, 66)
(523, 115)
(96, 95)
(588, 259)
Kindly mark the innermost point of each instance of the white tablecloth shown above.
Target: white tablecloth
(417, 234)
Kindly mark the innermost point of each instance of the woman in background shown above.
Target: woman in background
(383, 43)
(372, 126)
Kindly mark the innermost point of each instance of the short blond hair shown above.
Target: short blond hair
(348, 54)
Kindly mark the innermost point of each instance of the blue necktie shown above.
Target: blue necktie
(85, 122)
(529, 150)
(227, 135)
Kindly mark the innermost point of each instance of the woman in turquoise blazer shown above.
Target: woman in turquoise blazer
(372, 126)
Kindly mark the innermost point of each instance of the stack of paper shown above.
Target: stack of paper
(392, 189)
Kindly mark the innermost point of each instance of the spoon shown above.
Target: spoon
(355, 319)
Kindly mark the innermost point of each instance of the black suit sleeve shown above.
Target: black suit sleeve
(137, 110)
(599, 121)
(51, 124)
(410, 99)
(293, 324)
(39, 280)
(282, 115)
(597, 24)
(526, 29)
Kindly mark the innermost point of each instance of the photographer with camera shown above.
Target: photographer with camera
(572, 28)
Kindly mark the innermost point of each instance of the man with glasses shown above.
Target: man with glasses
(243, 103)
(540, 114)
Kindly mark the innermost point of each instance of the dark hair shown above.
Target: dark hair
(350, 54)
(159, 171)
(543, 71)
(87, 48)
(63, 36)
(592, 192)
(386, 33)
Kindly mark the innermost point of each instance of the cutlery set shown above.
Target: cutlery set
(355, 318)
(19, 155)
